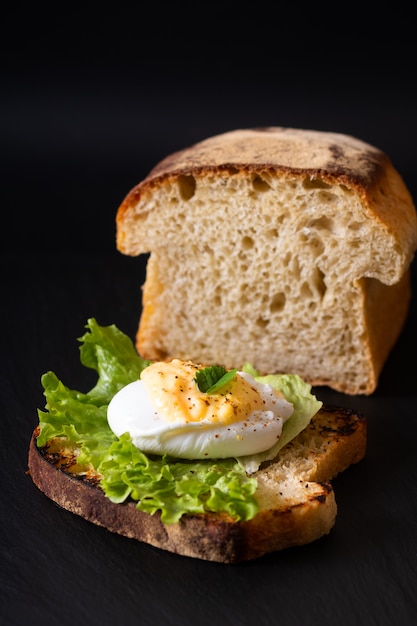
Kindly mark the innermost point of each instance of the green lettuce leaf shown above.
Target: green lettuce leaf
(305, 404)
(176, 487)
(171, 486)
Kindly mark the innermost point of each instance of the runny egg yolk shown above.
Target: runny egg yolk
(176, 396)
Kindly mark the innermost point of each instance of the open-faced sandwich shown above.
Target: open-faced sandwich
(208, 463)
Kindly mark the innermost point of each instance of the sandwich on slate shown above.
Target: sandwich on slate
(219, 465)
(279, 259)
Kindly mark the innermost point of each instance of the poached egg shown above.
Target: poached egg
(166, 413)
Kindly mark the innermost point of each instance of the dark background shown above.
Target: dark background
(91, 99)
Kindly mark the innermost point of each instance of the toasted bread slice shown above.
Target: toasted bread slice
(297, 503)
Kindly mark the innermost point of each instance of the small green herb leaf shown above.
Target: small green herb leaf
(211, 379)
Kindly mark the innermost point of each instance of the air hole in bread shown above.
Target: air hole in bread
(315, 183)
(262, 322)
(326, 196)
(243, 298)
(318, 281)
(316, 245)
(321, 223)
(247, 243)
(277, 302)
(260, 184)
(355, 226)
(272, 233)
(305, 291)
(186, 186)
(295, 267)
(217, 299)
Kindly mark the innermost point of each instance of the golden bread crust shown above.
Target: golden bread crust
(335, 158)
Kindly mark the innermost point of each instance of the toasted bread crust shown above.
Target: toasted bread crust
(286, 150)
(288, 515)
(334, 158)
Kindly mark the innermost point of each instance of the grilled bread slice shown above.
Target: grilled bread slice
(296, 500)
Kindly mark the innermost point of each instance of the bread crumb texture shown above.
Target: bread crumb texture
(286, 249)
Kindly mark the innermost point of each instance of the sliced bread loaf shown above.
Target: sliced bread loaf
(289, 249)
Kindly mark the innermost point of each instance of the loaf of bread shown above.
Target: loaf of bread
(289, 249)
(296, 502)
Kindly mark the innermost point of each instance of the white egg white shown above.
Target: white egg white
(132, 411)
